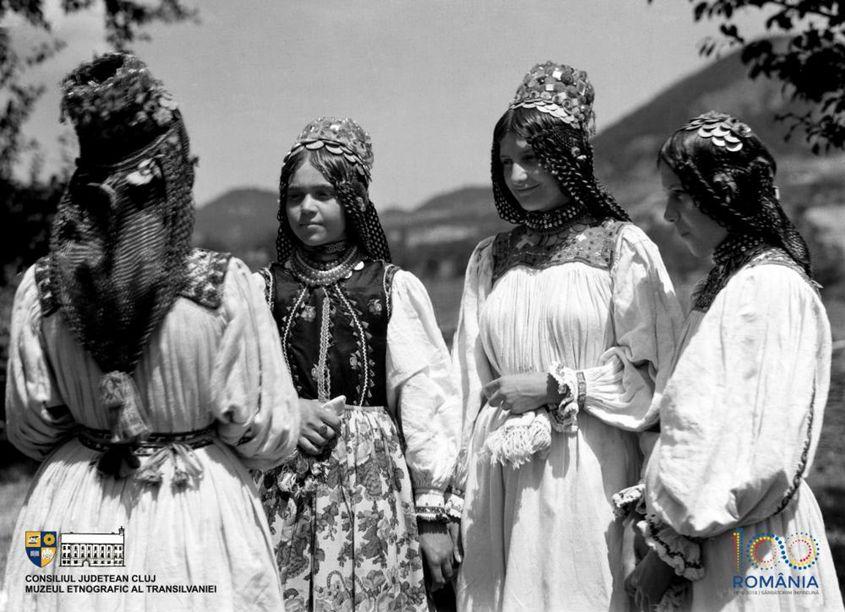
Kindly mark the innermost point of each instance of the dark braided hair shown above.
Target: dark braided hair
(351, 189)
(565, 153)
(735, 188)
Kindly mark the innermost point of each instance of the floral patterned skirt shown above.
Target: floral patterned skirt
(344, 525)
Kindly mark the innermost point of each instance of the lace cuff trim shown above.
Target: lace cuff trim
(681, 553)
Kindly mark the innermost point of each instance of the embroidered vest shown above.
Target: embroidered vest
(334, 337)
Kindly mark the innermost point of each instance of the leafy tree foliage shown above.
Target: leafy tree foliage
(806, 53)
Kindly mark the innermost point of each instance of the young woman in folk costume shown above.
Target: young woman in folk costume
(726, 505)
(380, 410)
(144, 373)
(566, 323)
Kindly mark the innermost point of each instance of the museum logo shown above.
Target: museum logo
(76, 549)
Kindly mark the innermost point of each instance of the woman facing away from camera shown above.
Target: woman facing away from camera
(144, 373)
(726, 505)
(380, 410)
(567, 321)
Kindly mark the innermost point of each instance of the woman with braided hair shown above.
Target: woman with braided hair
(146, 376)
(726, 505)
(364, 503)
(567, 322)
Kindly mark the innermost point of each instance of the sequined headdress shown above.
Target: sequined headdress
(340, 136)
(730, 175)
(345, 139)
(552, 110)
(559, 90)
(123, 228)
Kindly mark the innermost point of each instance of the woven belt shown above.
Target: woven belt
(100, 440)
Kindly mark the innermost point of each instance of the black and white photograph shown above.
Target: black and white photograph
(433, 305)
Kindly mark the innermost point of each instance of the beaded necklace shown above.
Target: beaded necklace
(316, 273)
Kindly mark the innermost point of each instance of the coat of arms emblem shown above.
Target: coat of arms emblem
(40, 547)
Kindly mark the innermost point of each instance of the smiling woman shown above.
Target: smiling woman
(566, 323)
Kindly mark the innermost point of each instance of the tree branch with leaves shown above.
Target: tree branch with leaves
(805, 51)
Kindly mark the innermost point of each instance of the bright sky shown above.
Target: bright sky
(426, 78)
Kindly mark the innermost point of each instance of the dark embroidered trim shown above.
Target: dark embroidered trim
(205, 273)
(100, 439)
(286, 326)
(589, 242)
(779, 257)
(366, 383)
(390, 271)
(802, 463)
(269, 294)
(46, 296)
(653, 529)
(705, 293)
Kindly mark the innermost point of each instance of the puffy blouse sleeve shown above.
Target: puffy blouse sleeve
(423, 393)
(646, 320)
(36, 418)
(741, 416)
(252, 394)
(470, 365)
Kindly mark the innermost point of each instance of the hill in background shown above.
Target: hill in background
(435, 239)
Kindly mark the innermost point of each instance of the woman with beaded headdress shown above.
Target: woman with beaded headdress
(145, 374)
(566, 323)
(726, 505)
(380, 411)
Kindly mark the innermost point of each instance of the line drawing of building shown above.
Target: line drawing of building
(93, 549)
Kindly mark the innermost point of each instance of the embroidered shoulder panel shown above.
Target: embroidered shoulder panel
(719, 276)
(591, 244)
(204, 277)
(47, 297)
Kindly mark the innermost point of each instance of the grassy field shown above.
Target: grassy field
(827, 478)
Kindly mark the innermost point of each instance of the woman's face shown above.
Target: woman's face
(314, 214)
(532, 186)
(700, 233)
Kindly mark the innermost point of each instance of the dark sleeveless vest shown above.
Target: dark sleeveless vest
(355, 339)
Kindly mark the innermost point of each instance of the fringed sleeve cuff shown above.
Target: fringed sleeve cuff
(628, 500)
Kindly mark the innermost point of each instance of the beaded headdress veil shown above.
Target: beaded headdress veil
(553, 110)
(730, 175)
(123, 227)
(344, 139)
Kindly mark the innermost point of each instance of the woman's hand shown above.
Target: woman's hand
(437, 550)
(649, 581)
(520, 393)
(319, 425)
(457, 545)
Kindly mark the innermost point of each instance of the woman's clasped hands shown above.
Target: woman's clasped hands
(320, 423)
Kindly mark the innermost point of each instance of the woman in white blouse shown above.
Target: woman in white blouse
(567, 321)
(741, 414)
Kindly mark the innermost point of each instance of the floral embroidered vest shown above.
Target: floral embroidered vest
(334, 337)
